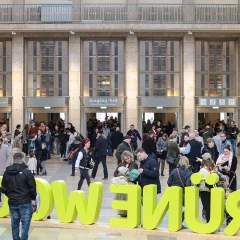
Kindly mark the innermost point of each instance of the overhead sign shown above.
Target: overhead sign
(160, 101)
(3, 102)
(217, 102)
(103, 101)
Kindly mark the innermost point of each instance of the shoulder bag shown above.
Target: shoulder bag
(180, 178)
(71, 153)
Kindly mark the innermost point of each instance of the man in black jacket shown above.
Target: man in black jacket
(116, 139)
(100, 154)
(232, 133)
(149, 172)
(134, 134)
(19, 185)
(124, 146)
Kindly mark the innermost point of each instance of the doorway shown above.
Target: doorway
(165, 118)
(46, 117)
(212, 117)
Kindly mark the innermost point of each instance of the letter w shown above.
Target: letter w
(77, 204)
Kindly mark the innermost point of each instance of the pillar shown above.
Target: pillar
(132, 82)
(17, 79)
(189, 80)
(74, 80)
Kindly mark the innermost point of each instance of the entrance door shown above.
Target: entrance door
(212, 118)
(150, 117)
(46, 117)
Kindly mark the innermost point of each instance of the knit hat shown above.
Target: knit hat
(122, 170)
(126, 137)
(84, 141)
(206, 156)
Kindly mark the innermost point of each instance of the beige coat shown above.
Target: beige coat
(5, 158)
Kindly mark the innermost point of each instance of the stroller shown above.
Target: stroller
(227, 193)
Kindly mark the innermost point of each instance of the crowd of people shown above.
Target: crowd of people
(207, 150)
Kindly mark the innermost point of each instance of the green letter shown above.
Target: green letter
(46, 199)
(67, 209)
(4, 210)
(233, 208)
(153, 214)
(132, 205)
(192, 205)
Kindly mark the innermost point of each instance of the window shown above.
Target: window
(47, 68)
(215, 68)
(103, 68)
(5, 68)
(159, 68)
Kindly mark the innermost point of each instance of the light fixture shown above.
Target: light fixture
(103, 107)
(72, 32)
(190, 32)
(215, 107)
(14, 33)
(159, 107)
(47, 107)
(131, 32)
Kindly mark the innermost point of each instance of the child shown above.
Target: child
(43, 158)
(32, 163)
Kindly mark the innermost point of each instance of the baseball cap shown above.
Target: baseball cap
(206, 156)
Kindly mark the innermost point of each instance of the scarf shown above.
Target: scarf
(224, 158)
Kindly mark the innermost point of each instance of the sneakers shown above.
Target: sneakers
(104, 178)
(92, 177)
(73, 175)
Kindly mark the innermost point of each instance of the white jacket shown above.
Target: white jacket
(32, 164)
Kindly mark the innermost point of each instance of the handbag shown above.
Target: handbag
(179, 175)
(71, 153)
(170, 160)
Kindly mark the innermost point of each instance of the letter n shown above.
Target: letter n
(153, 214)
(87, 210)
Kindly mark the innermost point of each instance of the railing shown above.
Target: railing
(119, 13)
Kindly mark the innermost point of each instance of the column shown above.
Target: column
(189, 80)
(17, 79)
(132, 82)
(74, 80)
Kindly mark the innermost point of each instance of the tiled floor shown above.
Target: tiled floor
(58, 170)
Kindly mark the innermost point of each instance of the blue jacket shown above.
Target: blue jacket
(174, 179)
(150, 174)
(38, 145)
(101, 147)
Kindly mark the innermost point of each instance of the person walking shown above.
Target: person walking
(75, 148)
(232, 133)
(134, 134)
(116, 139)
(44, 158)
(162, 151)
(100, 154)
(84, 162)
(32, 163)
(25, 139)
(19, 185)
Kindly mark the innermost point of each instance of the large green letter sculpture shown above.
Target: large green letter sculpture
(233, 208)
(132, 205)
(192, 205)
(46, 200)
(153, 214)
(67, 209)
(4, 210)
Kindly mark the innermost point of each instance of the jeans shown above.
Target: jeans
(109, 150)
(43, 164)
(73, 165)
(66, 153)
(83, 175)
(56, 146)
(233, 142)
(48, 147)
(104, 164)
(24, 213)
